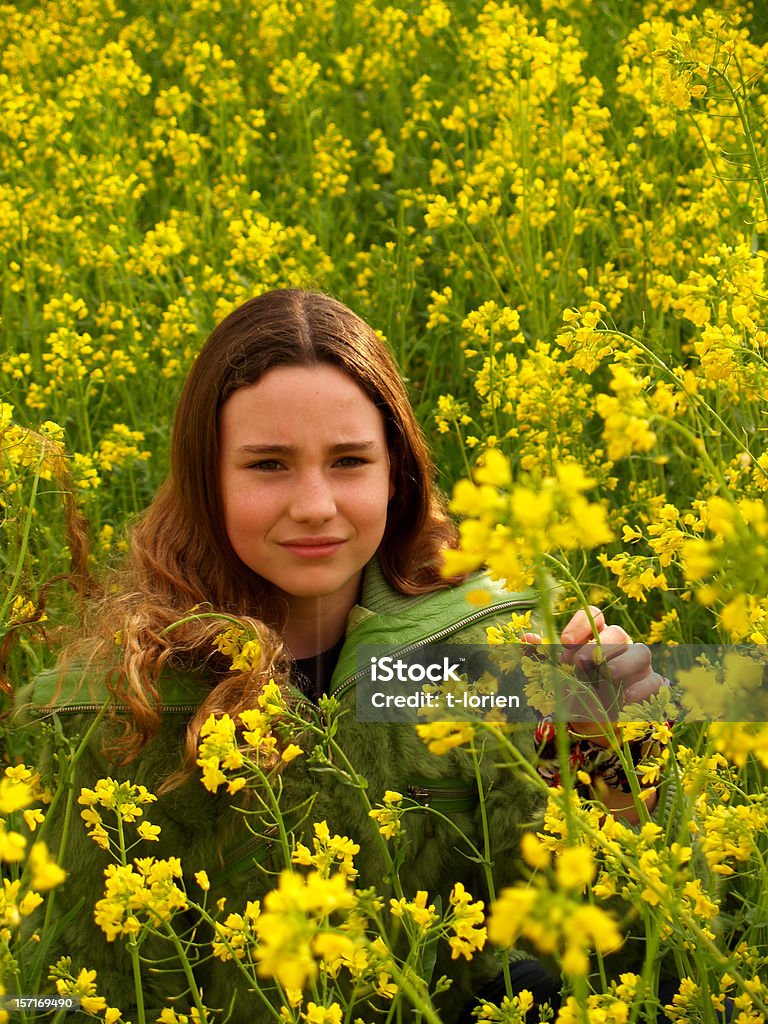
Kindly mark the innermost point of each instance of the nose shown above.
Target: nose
(313, 500)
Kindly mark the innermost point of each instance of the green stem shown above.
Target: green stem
(188, 974)
(746, 125)
(486, 861)
(274, 806)
(404, 983)
(133, 947)
(24, 542)
(544, 589)
(463, 450)
(396, 884)
(202, 615)
(649, 971)
(65, 786)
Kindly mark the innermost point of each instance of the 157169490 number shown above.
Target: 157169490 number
(41, 1004)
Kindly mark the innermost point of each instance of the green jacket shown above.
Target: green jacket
(206, 832)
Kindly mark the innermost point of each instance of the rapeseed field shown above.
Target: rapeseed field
(557, 217)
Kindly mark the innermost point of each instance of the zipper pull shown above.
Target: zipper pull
(424, 797)
(420, 795)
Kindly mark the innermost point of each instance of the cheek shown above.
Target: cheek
(245, 513)
(375, 503)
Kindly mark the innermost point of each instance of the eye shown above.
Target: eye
(350, 462)
(266, 465)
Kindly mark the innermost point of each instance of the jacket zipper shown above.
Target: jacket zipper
(245, 849)
(446, 631)
(51, 709)
(186, 709)
(426, 794)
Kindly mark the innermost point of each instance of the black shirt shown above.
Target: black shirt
(313, 675)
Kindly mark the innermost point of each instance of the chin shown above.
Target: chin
(309, 590)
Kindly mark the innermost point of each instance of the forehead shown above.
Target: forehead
(291, 400)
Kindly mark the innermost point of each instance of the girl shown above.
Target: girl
(300, 501)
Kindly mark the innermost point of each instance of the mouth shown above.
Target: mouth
(313, 547)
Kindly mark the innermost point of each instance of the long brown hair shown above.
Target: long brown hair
(180, 555)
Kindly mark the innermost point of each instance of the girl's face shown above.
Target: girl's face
(305, 480)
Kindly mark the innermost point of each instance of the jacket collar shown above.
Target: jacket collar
(399, 621)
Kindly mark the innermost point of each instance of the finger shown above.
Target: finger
(531, 638)
(614, 641)
(643, 688)
(579, 628)
(533, 646)
(629, 666)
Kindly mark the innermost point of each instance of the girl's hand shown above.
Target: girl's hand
(628, 664)
(630, 669)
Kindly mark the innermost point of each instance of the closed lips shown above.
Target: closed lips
(312, 542)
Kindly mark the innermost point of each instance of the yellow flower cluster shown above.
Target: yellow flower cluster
(554, 920)
(20, 896)
(441, 737)
(418, 910)
(642, 868)
(467, 922)
(235, 937)
(389, 815)
(605, 1008)
(509, 526)
(147, 888)
(330, 853)
(294, 928)
(84, 988)
(219, 748)
(125, 800)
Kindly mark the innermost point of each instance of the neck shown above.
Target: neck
(315, 624)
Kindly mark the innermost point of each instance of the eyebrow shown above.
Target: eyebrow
(284, 449)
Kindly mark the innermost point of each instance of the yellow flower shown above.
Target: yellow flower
(33, 818)
(388, 817)
(494, 469)
(12, 845)
(535, 854)
(218, 750)
(83, 986)
(575, 867)
(441, 737)
(467, 924)
(248, 657)
(29, 903)
(294, 917)
(45, 872)
(315, 1014)
(14, 795)
(330, 852)
(424, 916)
(151, 833)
